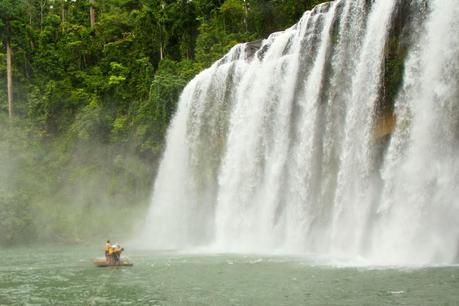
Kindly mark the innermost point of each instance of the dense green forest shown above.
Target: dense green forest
(87, 89)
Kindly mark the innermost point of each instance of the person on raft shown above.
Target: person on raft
(108, 246)
(113, 253)
(117, 250)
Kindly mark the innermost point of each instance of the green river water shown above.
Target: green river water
(66, 276)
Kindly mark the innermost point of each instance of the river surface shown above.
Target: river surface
(66, 276)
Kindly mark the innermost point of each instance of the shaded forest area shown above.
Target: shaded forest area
(87, 89)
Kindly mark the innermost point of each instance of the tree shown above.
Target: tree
(160, 17)
(92, 13)
(95, 102)
(10, 13)
(6, 7)
(234, 14)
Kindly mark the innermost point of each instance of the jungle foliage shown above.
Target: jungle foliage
(92, 102)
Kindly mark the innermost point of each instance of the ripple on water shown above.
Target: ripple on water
(168, 279)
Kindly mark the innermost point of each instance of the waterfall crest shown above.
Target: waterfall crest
(275, 151)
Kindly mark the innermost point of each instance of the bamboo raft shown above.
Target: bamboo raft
(101, 263)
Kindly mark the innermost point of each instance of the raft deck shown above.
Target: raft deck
(101, 262)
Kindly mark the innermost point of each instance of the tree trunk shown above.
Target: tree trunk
(161, 52)
(92, 13)
(42, 8)
(246, 14)
(9, 73)
(161, 47)
(63, 12)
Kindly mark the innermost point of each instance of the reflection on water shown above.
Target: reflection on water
(66, 276)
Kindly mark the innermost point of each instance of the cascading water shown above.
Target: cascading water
(274, 151)
(419, 210)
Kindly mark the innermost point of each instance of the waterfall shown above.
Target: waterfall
(419, 211)
(274, 150)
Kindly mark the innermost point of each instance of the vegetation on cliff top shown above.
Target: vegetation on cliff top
(93, 86)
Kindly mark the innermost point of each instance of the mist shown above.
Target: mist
(66, 191)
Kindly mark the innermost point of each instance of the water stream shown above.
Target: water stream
(275, 151)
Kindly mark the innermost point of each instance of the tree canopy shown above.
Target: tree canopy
(94, 103)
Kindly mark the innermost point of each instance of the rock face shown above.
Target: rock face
(252, 47)
(384, 125)
(335, 137)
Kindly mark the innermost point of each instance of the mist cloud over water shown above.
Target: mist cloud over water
(50, 193)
